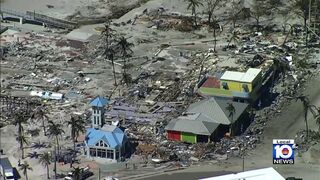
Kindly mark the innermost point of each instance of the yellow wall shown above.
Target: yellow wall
(232, 85)
(237, 86)
(249, 87)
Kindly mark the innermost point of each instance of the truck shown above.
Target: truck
(6, 169)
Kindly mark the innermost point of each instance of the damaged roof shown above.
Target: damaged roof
(195, 123)
(216, 109)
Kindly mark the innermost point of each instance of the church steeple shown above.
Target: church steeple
(98, 109)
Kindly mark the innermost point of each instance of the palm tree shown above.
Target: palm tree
(193, 4)
(306, 105)
(22, 141)
(110, 55)
(25, 167)
(45, 160)
(55, 130)
(231, 109)
(77, 127)
(301, 8)
(259, 9)
(77, 173)
(126, 51)
(235, 12)
(109, 52)
(214, 25)
(18, 120)
(107, 33)
(40, 113)
(212, 6)
(316, 114)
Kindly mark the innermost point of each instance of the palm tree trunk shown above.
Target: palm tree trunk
(21, 148)
(114, 72)
(306, 121)
(257, 24)
(44, 128)
(194, 16)
(48, 176)
(26, 174)
(124, 65)
(231, 126)
(215, 39)
(57, 141)
(74, 144)
(55, 163)
(22, 153)
(20, 129)
(306, 30)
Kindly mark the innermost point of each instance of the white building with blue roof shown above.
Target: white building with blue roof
(103, 140)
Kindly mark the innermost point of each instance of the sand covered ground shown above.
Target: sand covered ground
(67, 8)
(285, 125)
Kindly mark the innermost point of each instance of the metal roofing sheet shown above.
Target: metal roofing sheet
(232, 76)
(250, 75)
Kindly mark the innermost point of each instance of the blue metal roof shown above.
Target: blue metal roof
(99, 101)
(113, 138)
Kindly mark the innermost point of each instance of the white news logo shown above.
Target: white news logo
(283, 152)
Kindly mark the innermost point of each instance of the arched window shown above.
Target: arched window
(101, 144)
